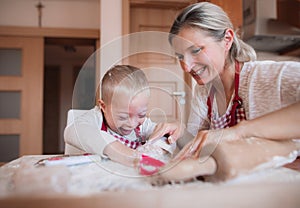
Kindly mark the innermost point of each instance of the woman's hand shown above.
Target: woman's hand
(173, 130)
(204, 137)
(193, 148)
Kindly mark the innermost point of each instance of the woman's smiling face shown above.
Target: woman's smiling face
(200, 55)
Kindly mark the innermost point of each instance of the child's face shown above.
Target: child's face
(125, 114)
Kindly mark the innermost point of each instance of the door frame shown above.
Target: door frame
(49, 32)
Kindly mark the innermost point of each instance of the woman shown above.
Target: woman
(233, 90)
(231, 85)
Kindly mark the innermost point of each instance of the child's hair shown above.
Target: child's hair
(212, 19)
(122, 79)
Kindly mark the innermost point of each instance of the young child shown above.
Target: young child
(117, 126)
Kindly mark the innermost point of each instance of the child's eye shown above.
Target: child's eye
(142, 116)
(121, 118)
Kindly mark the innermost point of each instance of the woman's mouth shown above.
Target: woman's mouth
(198, 72)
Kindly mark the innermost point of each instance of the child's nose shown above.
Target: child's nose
(133, 122)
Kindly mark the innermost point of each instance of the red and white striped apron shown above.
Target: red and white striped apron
(132, 144)
(235, 114)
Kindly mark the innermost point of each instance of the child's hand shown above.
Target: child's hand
(173, 130)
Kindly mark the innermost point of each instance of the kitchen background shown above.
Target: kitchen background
(71, 30)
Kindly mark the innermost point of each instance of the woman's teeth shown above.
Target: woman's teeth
(199, 72)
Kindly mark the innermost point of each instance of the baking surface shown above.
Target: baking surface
(107, 184)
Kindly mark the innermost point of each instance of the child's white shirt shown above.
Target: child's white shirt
(85, 134)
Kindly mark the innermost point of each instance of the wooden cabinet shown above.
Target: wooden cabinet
(234, 9)
(288, 11)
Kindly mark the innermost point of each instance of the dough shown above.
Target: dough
(226, 160)
(239, 157)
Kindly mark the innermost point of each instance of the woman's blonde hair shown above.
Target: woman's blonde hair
(212, 19)
(122, 79)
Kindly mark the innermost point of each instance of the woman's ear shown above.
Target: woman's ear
(101, 104)
(228, 38)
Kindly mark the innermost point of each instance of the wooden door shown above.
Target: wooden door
(21, 96)
(169, 90)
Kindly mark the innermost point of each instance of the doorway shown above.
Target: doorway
(64, 58)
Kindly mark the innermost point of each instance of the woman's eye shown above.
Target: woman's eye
(196, 51)
(179, 57)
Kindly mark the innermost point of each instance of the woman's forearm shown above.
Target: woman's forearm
(280, 124)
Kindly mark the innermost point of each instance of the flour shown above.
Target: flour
(270, 172)
(105, 175)
(278, 161)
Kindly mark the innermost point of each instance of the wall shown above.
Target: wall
(81, 14)
(111, 31)
(56, 13)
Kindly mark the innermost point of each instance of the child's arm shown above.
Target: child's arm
(173, 130)
(120, 153)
